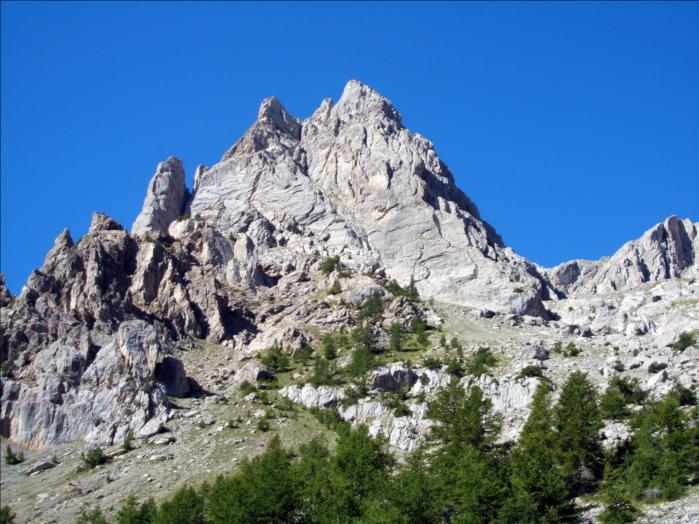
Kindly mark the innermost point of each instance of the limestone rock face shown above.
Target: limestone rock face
(165, 199)
(352, 180)
(668, 250)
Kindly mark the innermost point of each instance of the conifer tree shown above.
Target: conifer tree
(539, 492)
(617, 506)
(578, 422)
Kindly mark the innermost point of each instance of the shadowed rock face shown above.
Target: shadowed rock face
(88, 338)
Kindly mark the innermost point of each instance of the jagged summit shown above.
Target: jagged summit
(273, 113)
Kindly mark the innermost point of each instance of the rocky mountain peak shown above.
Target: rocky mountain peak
(274, 114)
(165, 199)
(359, 101)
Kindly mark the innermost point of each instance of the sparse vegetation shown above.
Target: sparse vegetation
(410, 292)
(94, 457)
(329, 264)
(127, 444)
(335, 289)
(531, 371)
(481, 362)
(276, 360)
(684, 341)
(12, 458)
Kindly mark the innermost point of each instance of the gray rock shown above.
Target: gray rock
(165, 199)
(39, 466)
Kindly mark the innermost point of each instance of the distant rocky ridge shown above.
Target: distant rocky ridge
(92, 340)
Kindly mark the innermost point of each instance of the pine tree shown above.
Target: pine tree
(664, 450)
(539, 492)
(262, 491)
(358, 473)
(186, 506)
(463, 420)
(396, 337)
(618, 508)
(131, 513)
(578, 422)
(413, 493)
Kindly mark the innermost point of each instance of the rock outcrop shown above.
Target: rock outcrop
(668, 250)
(353, 181)
(165, 199)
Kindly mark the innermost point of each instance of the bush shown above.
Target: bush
(630, 388)
(91, 517)
(684, 341)
(531, 371)
(613, 404)
(454, 367)
(246, 388)
(331, 419)
(372, 308)
(12, 458)
(362, 361)
(329, 265)
(303, 354)
(402, 410)
(656, 367)
(335, 289)
(364, 337)
(557, 348)
(6, 515)
(94, 457)
(683, 395)
(329, 350)
(262, 425)
(322, 373)
(480, 362)
(409, 292)
(432, 363)
(127, 445)
(275, 360)
(571, 350)
(396, 337)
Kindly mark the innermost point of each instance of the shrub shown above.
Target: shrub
(335, 289)
(12, 458)
(684, 341)
(409, 292)
(480, 362)
(127, 445)
(94, 457)
(432, 363)
(7, 516)
(364, 337)
(683, 395)
(396, 337)
(630, 388)
(443, 341)
(331, 419)
(91, 517)
(362, 361)
(571, 350)
(531, 371)
(246, 388)
(322, 373)
(302, 354)
(329, 265)
(329, 350)
(262, 425)
(402, 410)
(275, 360)
(372, 308)
(454, 367)
(656, 367)
(558, 347)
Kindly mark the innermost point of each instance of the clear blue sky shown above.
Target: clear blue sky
(574, 127)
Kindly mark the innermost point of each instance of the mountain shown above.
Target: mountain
(294, 236)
